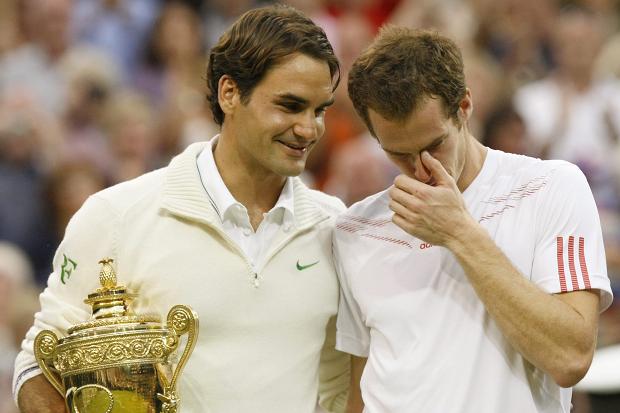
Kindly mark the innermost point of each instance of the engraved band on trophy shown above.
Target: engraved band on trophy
(118, 361)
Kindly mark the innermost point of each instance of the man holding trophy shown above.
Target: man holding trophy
(226, 229)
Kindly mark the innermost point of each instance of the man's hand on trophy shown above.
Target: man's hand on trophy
(37, 395)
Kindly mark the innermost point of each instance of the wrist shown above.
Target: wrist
(465, 236)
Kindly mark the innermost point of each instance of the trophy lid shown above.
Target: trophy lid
(110, 303)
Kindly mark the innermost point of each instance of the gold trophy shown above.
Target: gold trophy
(118, 361)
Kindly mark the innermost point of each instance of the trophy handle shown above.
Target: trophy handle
(181, 320)
(45, 345)
(74, 390)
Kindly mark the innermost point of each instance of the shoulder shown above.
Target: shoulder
(526, 168)
(371, 212)
(126, 195)
(328, 204)
(373, 206)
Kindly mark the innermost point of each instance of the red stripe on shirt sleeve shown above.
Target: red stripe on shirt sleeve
(571, 262)
(582, 263)
(560, 254)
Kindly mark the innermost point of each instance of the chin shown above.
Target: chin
(290, 170)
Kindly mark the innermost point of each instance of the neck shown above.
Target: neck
(579, 80)
(475, 154)
(256, 189)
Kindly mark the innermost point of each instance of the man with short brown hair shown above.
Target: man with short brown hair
(474, 283)
(228, 229)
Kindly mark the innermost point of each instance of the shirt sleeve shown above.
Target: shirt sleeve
(353, 336)
(569, 254)
(90, 236)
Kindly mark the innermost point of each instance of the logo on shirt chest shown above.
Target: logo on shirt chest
(301, 267)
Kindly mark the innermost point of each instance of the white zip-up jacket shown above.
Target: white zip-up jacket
(266, 339)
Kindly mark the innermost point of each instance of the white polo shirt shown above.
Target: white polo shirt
(408, 306)
(234, 215)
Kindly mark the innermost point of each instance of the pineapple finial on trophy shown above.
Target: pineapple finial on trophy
(107, 275)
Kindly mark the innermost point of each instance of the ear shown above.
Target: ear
(227, 94)
(466, 106)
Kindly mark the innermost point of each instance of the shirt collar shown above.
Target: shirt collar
(223, 201)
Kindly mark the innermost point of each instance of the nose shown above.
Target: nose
(308, 127)
(420, 172)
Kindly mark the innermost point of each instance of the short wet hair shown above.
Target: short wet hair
(256, 42)
(401, 69)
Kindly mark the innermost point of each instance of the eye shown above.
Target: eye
(435, 145)
(291, 107)
(320, 111)
(398, 155)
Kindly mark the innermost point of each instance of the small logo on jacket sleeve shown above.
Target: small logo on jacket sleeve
(66, 269)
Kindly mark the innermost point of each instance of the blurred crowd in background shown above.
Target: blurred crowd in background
(96, 92)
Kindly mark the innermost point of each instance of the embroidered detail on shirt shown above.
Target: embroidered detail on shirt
(389, 239)
(511, 199)
(353, 224)
(301, 267)
(364, 226)
(67, 267)
(367, 221)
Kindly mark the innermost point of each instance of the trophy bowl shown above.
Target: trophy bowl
(118, 361)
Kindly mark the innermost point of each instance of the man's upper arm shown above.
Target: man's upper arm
(352, 334)
(89, 237)
(569, 253)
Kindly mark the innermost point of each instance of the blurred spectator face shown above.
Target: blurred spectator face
(511, 137)
(355, 33)
(484, 80)
(178, 34)
(577, 41)
(8, 30)
(16, 142)
(91, 77)
(232, 8)
(69, 186)
(133, 139)
(17, 135)
(132, 134)
(505, 130)
(85, 100)
(50, 20)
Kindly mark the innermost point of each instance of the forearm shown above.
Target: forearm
(334, 373)
(355, 403)
(37, 395)
(548, 331)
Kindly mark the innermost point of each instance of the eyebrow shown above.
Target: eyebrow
(435, 141)
(302, 101)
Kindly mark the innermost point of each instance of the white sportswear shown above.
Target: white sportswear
(408, 306)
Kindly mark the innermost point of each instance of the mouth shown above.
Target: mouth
(295, 149)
